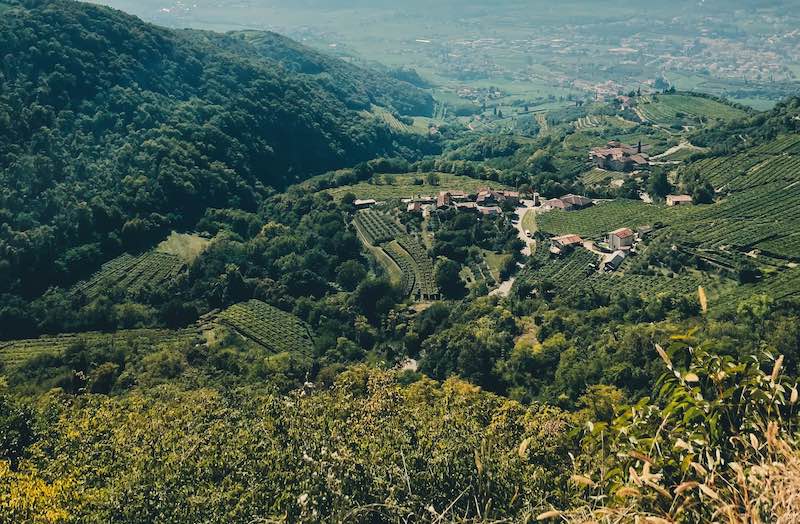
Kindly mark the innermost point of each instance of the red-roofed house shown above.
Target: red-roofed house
(621, 238)
(617, 156)
(576, 201)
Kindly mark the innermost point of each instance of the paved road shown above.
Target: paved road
(521, 211)
(505, 287)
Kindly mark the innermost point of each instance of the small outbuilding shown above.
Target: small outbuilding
(614, 260)
(679, 200)
(364, 203)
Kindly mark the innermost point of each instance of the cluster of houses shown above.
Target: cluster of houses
(486, 201)
(617, 156)
(619, 244)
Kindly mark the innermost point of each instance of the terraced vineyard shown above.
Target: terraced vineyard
(131, 273)
(608, 216)
(400, 256)
(720, 171)
(787, 144)
(577, 273)
(17, 352)
(601, 176)
(765, 218)
(425, 287)
(684, 109)
(268, 326)
(565, 273)
(407, 251)
(377, 227)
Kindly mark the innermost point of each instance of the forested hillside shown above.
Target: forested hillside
(239, 284)
(112, 131)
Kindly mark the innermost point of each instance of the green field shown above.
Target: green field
(17, 352)
(600, 176)
(529, 222)
(608, 216)
(268, 326)
(577, 272)
(404, 186)
(150, 269)
(398, 249)
(186, 247)
(131, 273)
(685, 110)
(389, 119)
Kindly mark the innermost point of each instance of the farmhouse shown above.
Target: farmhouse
(578, 202)
(568, 203)
(564, 243)
(555, 203)
(679, 200)
(364, 203)
(617, 156)
(487, 197)
(621, 238)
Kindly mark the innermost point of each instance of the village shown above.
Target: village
(612, 249)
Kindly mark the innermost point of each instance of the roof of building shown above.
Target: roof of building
(620, 152)
(576, 200)
(615, 259)
(624, 232)
(365, 202)
(680, 198)
(490, 210)
(566, 240)
(555, 202)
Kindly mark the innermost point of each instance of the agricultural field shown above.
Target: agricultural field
(607, 216)
(765, 218)
(776, 162)
(150, 269)
(131, 273)
(401, 257)
(377, 227)
(407, 252)
(577, 272)
(16, 352)
(268, 326)
(425, 287)
(684, 110)
(390, 120)
(409, 184)
(565, 273)
(599, 176)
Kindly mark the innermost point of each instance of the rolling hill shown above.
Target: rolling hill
(112, 130)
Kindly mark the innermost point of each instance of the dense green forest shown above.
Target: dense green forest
(199, 324)
(114, 131)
